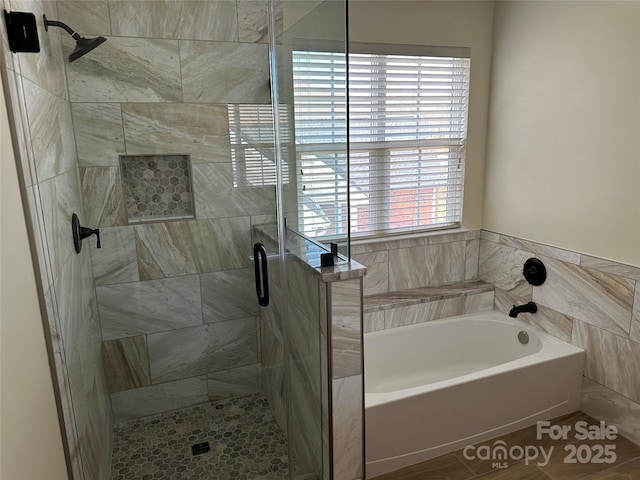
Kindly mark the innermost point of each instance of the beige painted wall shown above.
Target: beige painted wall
(563, 156)
(30, 440)
(441, 23)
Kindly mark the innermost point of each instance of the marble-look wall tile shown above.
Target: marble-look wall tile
(74, 292)
(304, 343)
(88, 17)
(59, 198)
(169, 249)
(150, 18)
(199, 130)
(481, 302)
(303, 287)
(607, 266)
(611, 359)
(127, 69)
(95, 442)
(306, 420)
(489, 236)
(145, 307)
(502, 267)
(217, 72)
(180, 248)
(126, 363)
(403, 242)
(217, 195)
(235, 382)
(263, 220)
(635, 317)
(273, 364)
(428, 265)
(141, 402)
(373, 321)
(424, 312)
(228, 294)
(207, 20)
(541, 249)
(99, 134)
(70, 430)
(347, 427)
(415, 296)
(202, 349)
(253, 21)
(601, 299)
(51, 131)
(47, 67)
(446, 236)
(603, 404)
(63, 385)
(103, 198)
(545, 319)
(346, 328)
(80, 331)
(377, 278)
(472, 259)
(116, 261)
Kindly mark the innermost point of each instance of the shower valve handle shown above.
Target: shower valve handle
(80, 233)
(87, 232)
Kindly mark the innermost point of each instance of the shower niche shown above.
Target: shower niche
(157, 187)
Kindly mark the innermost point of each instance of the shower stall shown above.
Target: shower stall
(183, 139)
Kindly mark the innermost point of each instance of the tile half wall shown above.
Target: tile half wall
(591, 302)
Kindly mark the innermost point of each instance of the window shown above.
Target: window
(320, 112)
(407, 134)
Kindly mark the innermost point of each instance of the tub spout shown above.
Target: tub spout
(530, 307)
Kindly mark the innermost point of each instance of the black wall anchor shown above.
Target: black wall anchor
(80, 233)
(534, 271)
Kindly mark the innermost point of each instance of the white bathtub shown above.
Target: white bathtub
(436, 387)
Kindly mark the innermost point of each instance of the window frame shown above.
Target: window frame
(383, 181)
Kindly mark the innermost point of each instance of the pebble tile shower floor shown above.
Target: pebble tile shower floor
(246, 444)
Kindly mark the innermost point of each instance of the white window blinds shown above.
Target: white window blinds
(251, 140)
(407, 133)
(320, 113)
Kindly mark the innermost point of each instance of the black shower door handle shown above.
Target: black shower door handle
(262, 284)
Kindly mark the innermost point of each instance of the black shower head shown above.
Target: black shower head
(83, 45)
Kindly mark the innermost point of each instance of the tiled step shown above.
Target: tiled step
(406, 307)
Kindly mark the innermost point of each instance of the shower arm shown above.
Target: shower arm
(54, 23)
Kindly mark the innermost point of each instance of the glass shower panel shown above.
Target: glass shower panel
(312, 87)
(307, 46)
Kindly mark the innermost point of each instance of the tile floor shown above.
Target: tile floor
(245, 440)
(454, 466)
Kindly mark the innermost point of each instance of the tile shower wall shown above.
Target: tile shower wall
(590, 302)
(39, 99)
(175, 298)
